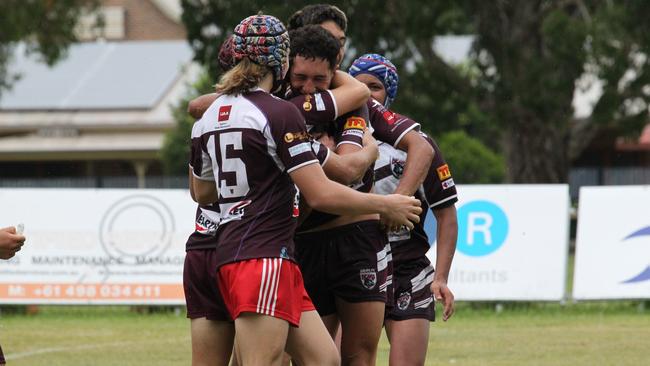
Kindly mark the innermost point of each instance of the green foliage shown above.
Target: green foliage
(46, 26)
(175, 152)
(470, 160)
(515, 94)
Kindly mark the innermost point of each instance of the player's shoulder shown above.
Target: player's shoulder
(271, 105)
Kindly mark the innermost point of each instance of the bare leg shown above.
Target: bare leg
(311, 344)
(408, 341)
(361, 328)
(211, 342)
(260, 339)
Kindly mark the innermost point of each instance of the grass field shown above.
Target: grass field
(615, 333)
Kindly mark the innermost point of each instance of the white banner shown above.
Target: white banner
(613, 243)
(88, 246)
(512, 242)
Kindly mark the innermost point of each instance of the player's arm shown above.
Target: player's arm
(447, 234)
(349, 168)
(418, 160)
(205, 191)
(348, 92)
(197, 106)
(10, 242)
(325, 195)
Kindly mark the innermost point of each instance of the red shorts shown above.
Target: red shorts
(269, 286)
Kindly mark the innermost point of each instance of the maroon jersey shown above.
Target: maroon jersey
(348, 129)
(437, 191)
(388, 126)
(319, 109)
(247, 144)
(205, 227)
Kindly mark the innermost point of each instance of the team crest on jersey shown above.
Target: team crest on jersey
(397, 167)
(403, 300)
(368, 278)
(224, 113)
(443, 172)
(355, 122)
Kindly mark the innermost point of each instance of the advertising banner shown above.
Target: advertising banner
(87, 246)
(613, 243)
(512, 242)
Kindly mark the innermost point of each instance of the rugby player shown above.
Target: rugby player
(414, 281)
(253, 146)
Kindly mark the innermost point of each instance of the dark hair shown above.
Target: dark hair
(317, 14)
(312, 42)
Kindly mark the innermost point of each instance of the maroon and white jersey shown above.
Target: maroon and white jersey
(437, 191)
(247, 144)
(388, 126)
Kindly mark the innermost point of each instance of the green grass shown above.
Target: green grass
(598, 333)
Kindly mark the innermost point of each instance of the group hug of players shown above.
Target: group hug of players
(312, 197)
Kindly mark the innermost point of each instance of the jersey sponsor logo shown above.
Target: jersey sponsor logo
(355, 122)
(403, 301)
(299, 149)
(307, 104)
(448, 183)
(224, 113)
(389, 117)
(237, 210)
(443, 172)
(368, 278)
(320, 104)
(289, 137)
(205, 226)
(295, 211)
(353, 132)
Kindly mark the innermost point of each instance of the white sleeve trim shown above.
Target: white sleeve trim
(404, 134)
(348, 142)
(336, 109)
(433, 205)
(302, 165)
(327, 157)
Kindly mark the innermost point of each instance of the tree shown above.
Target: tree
(527, 62)
(46, 26)
(175, 151)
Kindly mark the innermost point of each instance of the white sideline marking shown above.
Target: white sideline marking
(15, 356)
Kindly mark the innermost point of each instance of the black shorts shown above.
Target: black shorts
(202, 294)
(349, 262)
(412, 291)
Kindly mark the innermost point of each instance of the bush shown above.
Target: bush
(470, 160)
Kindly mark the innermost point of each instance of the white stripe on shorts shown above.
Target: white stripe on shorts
(383, 257)
(269, 284)
(424, 303)
(423, 278)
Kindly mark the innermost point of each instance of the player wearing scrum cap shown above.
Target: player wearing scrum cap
(243, 145)
(414, 281)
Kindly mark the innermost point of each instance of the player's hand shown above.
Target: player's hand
(10, 242)
(370, 144)
(401, 211)
(443, 294)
